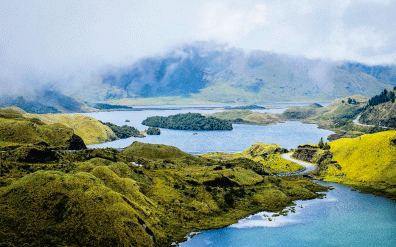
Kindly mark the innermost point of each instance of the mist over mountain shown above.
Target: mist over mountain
(44, 101)
(211, 72)
(219, 73)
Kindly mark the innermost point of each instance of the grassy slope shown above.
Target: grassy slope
(88, 128)
(16, 130)
(265, 154)
(382, 114)
(337, 116)
(368, 160)
(98, 198)
(248, 116)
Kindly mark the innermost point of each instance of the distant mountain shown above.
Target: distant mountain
(216, 73)
(385, 74)
(45, 101)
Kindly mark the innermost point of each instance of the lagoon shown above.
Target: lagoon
(343, 218)
(288, 135)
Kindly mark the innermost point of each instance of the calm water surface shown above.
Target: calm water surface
(288, 135)
(343, 218)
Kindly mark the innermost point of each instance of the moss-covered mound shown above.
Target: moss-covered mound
(262, 149)
(153, 151)
(263, 158)
(111, 198)
(298, 112)
(17, 130)
(98, 209)
(88, 128)
(312, 153)
(248, 117)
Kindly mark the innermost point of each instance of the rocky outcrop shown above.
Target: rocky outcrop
(312, 154)
(75, 143)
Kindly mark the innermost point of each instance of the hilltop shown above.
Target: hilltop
(16, 130)
(91, 131)
(366, 162)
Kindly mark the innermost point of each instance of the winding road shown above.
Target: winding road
(308, 166)
(356, 121)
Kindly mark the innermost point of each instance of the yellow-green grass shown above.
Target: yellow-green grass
(248, 116)
(230, 115)
(263, 118)
(23, 132)
(153, 151)
(88, 128)
(367, 159)
(79, 209)
(266, 154)
(98, 201)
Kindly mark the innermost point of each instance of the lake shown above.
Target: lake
(343, 218)
(288, 135)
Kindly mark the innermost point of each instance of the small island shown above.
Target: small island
(124, 131)
(188, 121)
(244, 107)
(153, 131)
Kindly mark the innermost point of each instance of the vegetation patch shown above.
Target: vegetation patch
(263, 158)
(248, 117)
(188, 121)
(89, 129)
(17, 130)
(124, 131)
(100, 197)
(153, 131)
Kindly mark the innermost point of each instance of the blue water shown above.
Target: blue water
(288, 135)
(343, 218)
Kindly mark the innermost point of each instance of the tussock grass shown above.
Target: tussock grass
(99, 198)
(88, 128)
(265, 154)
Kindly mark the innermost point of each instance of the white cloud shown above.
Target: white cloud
(225, 22)
(46, 40)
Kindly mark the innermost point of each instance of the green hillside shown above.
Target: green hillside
(338, 116)
(103, 197)
(88, 128)
(247, 117)
(381, 110)
(368, 160)
(17, 130)
(265, 157)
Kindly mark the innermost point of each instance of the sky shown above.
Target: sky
(58, 39)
